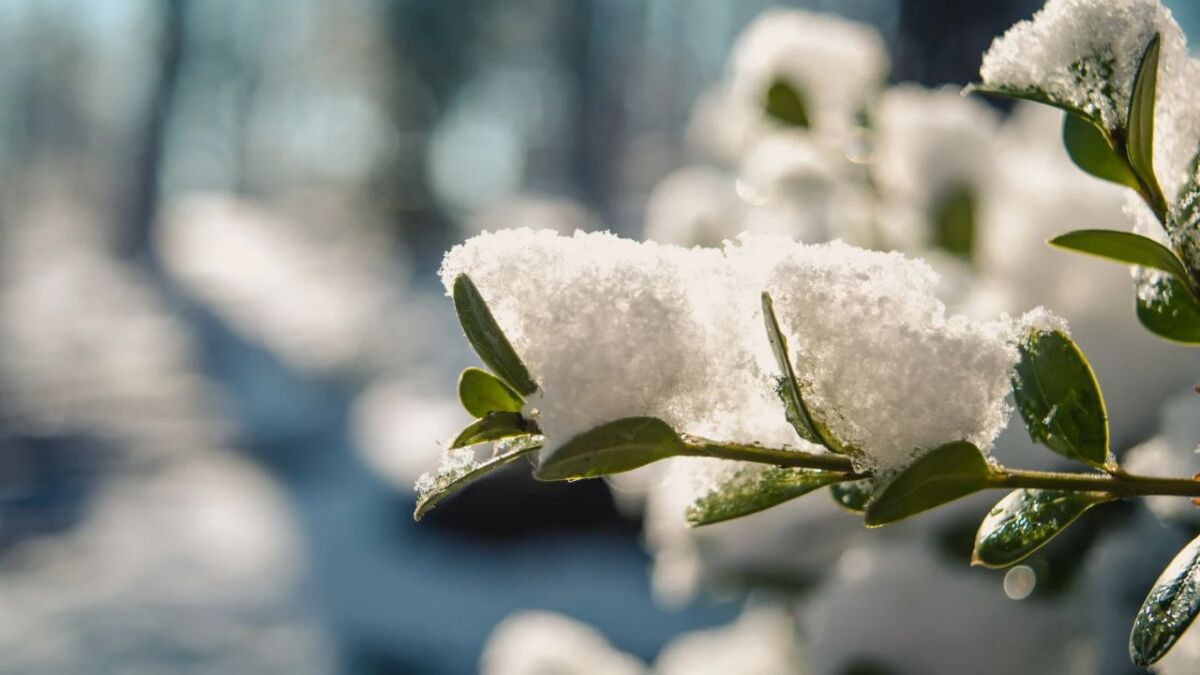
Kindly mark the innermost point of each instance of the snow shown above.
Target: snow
(1084, 54)
(612, 328)
(835, 64)
(879, 358)
(929, 144)
(454, 465)
(400, 429)
(117, 365)
(315, 292)
(762, 641)
(1042, 320)
(538, 642)
(192, 567)
(693, 206)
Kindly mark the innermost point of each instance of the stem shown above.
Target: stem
(701, 447)
(1119, 483)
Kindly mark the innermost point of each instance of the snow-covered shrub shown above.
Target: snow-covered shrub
(765, 369)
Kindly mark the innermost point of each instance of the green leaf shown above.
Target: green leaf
(1059, 399)
(754, 489)
(801, 418)
(1091, 149)
(1167, 309)
(941, 475)
(1125, 247)
(445, 484)
(1032, 95)
(786, 104)
(481, 393)
(492, 427)
(954, 222)
(614, 447)
(1025, 520)
(485, 336)
(853, 495)
(1169, 608)
(1140, 132)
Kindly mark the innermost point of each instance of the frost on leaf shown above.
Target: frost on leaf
(1183, 226)
(454, 466)
(460, 466)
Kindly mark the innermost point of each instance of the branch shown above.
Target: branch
(1119, 483)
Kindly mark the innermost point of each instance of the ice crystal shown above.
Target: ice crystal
(454, 465)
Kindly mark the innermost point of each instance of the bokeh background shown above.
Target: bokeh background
(224, 353)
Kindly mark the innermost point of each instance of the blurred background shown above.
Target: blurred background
(225, 356)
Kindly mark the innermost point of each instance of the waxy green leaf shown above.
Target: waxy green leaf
(485, 336)
(507, 451)
(1025, 520)
(1169, 609)
(1140, 130)
(1125, 247)
(853, 495)
(1091, 149)
(1059, 399)
(786, 104)
(796, 410)
(481, 393)
(614, 447)
(493, 427)
(754, 489)
(1166, 308)
(941, 475)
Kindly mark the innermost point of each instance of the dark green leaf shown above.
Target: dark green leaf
(1025, 520)
(614, 447)
(1090, 149)
(786, 104)
(941, 475)
(754, 489)
(481, 393)
(954, 222)
(1058, 398)
(1125, 247)
(1169, 608)
(492, 427)
(485, 336)
(446, 484)
(1167, 309)
(801, 418)
(853, 495)
(1140, 132)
